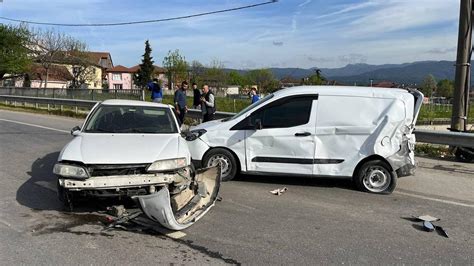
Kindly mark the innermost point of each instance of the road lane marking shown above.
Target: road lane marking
(435, 199)
(33, 125)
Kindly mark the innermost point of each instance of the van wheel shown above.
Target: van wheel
(225, 158)
(376, 177)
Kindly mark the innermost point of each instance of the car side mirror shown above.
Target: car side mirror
(75, 130)
(258, 124)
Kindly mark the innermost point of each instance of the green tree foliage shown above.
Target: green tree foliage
(176, 66)
(428, 86)
(445, 88)
(145, 72)
(235, 78)
(264, 79)
(14, 49)
(214, 74)
(197, 71)
(315, 79)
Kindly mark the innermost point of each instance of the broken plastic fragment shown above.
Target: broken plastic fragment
(427, 218)
(428, 226)
(279, 191)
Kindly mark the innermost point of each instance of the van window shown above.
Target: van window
(293, 112)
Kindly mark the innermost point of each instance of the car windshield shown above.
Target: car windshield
(250, 107)
(131, 119)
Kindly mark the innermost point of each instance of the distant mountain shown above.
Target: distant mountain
(404, 73)
(355, 69)
(407, 73)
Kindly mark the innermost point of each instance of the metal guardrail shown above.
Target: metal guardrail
(427, 136)
(447, 138)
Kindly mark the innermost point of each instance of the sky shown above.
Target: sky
(288, 33)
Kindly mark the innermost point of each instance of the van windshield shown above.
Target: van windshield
(251, 107)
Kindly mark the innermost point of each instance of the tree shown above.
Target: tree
(176, 66)
(215, 75)
(264, 79)
(14, 50)
(315, 79)
(48, 47)
(77, 57)
(197, 71)
(145, 72)
(445, 88)
(428, 86)
(235, 78)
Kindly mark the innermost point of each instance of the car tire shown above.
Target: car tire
(376, 177)
(229, 165)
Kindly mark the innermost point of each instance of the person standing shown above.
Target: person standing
(197, 97)
(180, 102)
(208, 104)
(254, 95)
(156, 92)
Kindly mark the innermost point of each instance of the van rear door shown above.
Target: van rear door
(418, 102)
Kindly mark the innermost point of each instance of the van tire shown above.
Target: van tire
(230, 167)
(376, 177)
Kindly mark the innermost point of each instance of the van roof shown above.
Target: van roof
(343, 91)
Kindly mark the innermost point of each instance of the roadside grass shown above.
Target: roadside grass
(431, 113)
(433, 150)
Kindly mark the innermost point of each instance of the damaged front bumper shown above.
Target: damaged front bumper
(180, 210)
(175, 200)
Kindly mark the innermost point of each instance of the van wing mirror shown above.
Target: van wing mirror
(75, 130)
(258, 124)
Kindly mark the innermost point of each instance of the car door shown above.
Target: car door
(280, 136)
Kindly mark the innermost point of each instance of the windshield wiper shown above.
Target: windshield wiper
(100, 130)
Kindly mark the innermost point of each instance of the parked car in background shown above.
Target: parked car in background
(353, 132)
(133, 148)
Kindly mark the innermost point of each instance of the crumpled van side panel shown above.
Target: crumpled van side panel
(349, 129)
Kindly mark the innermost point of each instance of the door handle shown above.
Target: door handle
(302, 134)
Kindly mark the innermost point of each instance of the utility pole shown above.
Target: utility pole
(463, 68)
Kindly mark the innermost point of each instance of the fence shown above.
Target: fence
(78, 94)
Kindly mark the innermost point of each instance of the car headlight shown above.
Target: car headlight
(194, 134)
(67, 170)
(167, 165)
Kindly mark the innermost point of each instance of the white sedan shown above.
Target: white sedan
(135, 149)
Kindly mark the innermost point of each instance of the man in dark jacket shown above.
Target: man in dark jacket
(180, 102)
(208, 104)
(156, 92)
(197, 97)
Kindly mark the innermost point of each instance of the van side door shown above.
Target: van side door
(279, 137)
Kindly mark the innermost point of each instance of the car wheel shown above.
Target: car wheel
(376, 177)
(225, 158)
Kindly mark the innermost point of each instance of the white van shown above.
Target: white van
(363, 133)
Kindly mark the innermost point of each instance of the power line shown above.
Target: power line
(141, 21)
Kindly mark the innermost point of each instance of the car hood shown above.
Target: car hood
(121, 148)
(214, 124)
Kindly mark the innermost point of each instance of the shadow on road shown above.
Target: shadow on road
(298, 181)
(39, 192)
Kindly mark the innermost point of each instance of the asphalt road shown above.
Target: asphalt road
(317, 221)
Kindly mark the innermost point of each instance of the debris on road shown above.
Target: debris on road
(428, 224)
(279, 191)
(427, 218)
